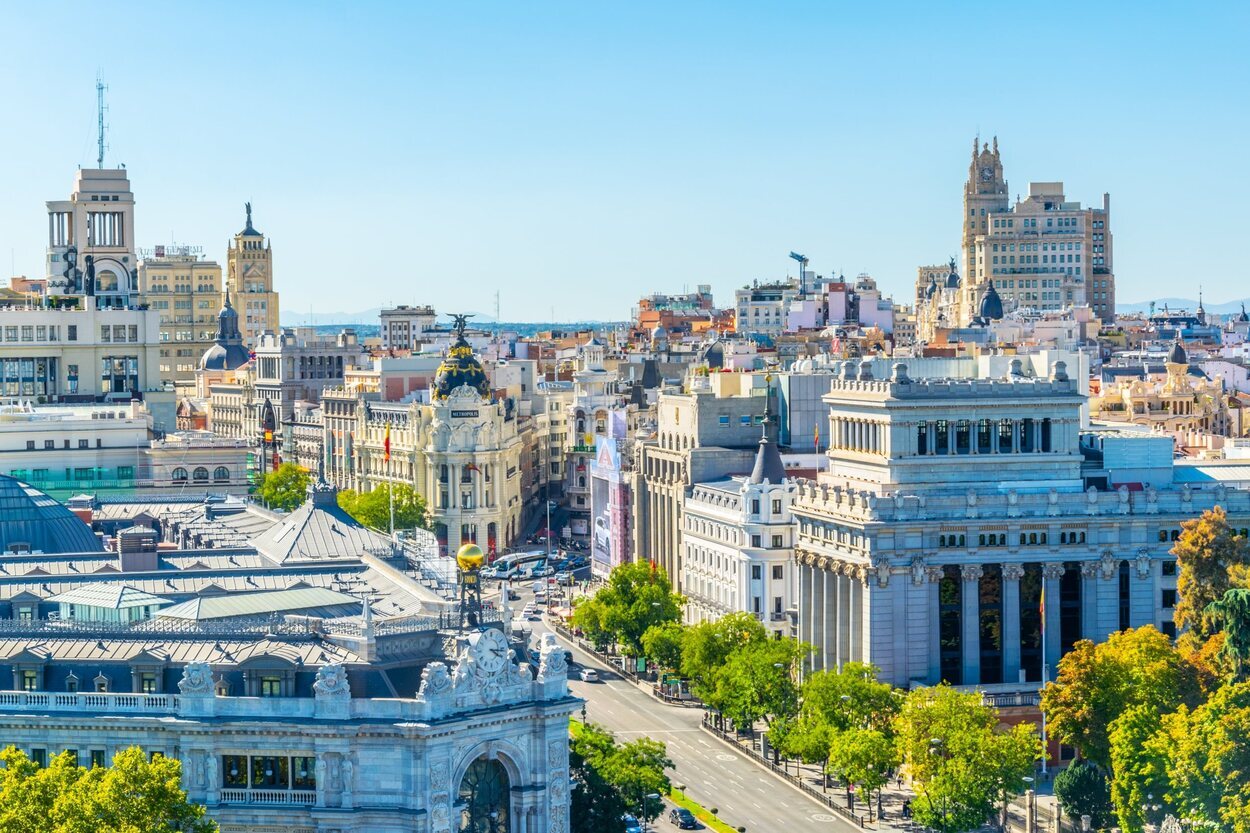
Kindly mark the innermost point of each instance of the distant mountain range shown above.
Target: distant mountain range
(366, 322)
(1183, 303)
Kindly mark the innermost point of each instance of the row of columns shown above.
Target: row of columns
(831, 616)
(864, 435)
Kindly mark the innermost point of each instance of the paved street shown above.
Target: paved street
(713, 774)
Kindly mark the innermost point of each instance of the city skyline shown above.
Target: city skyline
(606, 156)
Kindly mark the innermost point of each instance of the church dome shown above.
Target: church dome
(991, 308)
(460, 368)
(228, 353)
(952, 280)
(1177, 354)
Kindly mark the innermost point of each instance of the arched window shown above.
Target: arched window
(221, 473)
(200, 474)
(484, 798)
(180, 475)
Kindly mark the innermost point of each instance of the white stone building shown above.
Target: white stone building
(737, 544)
(951, 503)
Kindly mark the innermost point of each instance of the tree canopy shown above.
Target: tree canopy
(284, 488)
(1098, 683)
(756, 681)
(637, 596)
(1212, 558)
(961, 764)
(373, 508)
(609, 777)
(707, 646)
(134, 795)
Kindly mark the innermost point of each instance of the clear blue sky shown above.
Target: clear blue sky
(574, 156)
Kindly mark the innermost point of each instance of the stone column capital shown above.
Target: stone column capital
(1013, 572)
(1052, 571)
(971, 572)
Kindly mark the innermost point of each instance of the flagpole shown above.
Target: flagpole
(1045, 675)
(390, 493)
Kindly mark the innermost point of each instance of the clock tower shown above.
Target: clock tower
(250, 281)
(985, 193)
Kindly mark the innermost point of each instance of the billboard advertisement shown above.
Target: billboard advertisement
(609, 508)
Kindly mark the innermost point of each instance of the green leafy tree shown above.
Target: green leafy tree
(1231, 614)
(1212, 558)
(631, 771)
(863, 757)
(1082, 790)
(284, 488)
(1209, 771)
(589, 617)
(1098, 683)
(134, 795)
(961, 764)
(756, 682)
(637, 596)
(637, 770)
(1140, 754)
(596, 804)
(707, 646)
(373, 508)
(834, 701)
(662, 644)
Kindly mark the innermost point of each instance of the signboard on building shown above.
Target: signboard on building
(466, 414)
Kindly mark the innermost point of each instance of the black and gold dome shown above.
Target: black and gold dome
(460, 367)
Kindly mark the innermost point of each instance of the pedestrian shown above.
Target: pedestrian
(900, 780)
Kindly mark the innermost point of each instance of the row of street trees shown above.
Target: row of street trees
(962, 764)
(1163, 727)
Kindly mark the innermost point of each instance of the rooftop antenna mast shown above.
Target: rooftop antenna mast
(100, 111)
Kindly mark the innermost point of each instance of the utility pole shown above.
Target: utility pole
(100, 110)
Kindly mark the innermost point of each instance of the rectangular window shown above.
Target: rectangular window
(270, 686)
(1167, 599)
(777, 506)
(755, 540)
(234, 771)
(39, 757)
(757, 572)
(777, 542)
(97, 758)
(778, 572)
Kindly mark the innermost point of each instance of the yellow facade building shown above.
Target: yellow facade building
(186, 291)
(249, 264)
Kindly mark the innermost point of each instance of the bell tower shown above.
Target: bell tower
(249, 277)
(985, 193)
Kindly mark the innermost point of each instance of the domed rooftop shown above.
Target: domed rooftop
(714, 355)
(459, 369)
(991, 307)
(952, 280)
(30, 520)
(228, 353)
(1241, 316)
(932, 288)
(1177, 354)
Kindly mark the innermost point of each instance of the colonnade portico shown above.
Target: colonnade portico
(966, 623)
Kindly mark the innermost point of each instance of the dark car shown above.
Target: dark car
(683, 818)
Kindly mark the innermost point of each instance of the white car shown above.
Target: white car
(564, 577)
(589, 675)
(538, 586)
(540, 598)
(543, 571)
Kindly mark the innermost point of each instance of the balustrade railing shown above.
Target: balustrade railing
(304, 798)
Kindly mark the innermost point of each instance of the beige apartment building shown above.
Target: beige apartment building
(1044, 252)
(186, 291)
(249, 266)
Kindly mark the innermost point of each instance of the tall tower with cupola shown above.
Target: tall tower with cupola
(985, 194)
(250, 281)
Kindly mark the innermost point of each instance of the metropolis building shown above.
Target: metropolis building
(952, 505)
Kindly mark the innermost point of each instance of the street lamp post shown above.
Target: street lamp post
(643, 808)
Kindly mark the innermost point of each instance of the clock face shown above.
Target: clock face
(490, 651)
(987, 174)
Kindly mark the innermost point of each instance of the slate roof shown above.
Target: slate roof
(307, 601)
(319, 531)
(111, 596)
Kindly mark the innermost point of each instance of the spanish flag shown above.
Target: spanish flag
(816, 433)
(386, 444)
